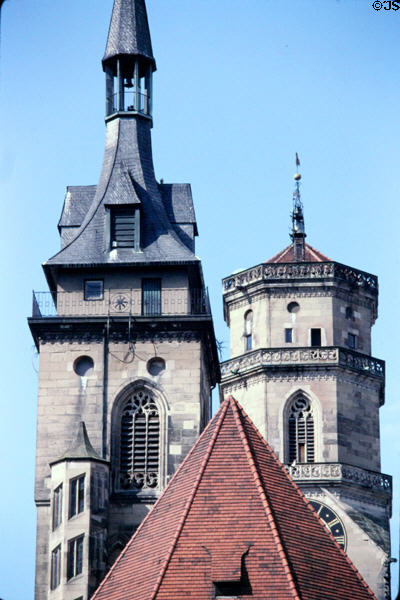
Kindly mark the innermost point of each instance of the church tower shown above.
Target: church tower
(125, 338)
(301, 366)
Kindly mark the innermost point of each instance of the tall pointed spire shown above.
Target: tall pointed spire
(129, 33)
(298, 233)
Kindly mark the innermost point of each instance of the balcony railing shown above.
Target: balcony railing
(174, 301)
(324, 356)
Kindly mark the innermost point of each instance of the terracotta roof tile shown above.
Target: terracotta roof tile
(231, 519)
(287, 255)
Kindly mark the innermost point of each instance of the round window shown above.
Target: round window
(293, 307)
(156, 366)
(83, 366)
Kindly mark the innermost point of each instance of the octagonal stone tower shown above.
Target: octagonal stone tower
(301, 366)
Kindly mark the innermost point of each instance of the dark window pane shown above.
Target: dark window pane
(71, 559)
(57, 507)
(315, 337)
(79, 555)
(249, 342)
(151, 297)
(352, 341)
(81, 494)
(288, 335)
(72, 498)
(94, 290)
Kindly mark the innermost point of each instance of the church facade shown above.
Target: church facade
(128, 356)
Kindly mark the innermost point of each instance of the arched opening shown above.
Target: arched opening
(301, 430)
(139, 433)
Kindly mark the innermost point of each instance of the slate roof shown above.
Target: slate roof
(287, 255)
(76, 204)
(129, 31)
(81, 449)
(232, 517)
(178, 201)
(127, 177)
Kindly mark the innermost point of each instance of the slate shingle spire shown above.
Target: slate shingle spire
(129, 32)
(127, 181)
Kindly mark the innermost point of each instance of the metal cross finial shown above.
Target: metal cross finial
(298, 230)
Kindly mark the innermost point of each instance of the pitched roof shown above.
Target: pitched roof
(81, 449)
(129, 31)
(230, 522)
(287, 255)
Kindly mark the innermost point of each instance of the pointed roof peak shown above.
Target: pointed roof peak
(129, 32)
(81, 449)
(230, 524)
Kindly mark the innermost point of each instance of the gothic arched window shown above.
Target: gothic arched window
(301, 431)
(248, 330)
(139, 459)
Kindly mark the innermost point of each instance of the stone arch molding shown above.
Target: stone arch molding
(317, 416)
(153, 404)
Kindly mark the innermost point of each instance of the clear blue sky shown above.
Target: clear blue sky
(241, 86)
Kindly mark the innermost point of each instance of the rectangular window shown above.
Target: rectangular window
(288, 335)
(55, 577)
(123, 228)
(57, 506)
(248, 342)
(76, 496)
(315, 337)
(94, 289)
(151, 297)
(75, 557)
(352, 341)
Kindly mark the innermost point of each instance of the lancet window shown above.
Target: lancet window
(301, 431)
(139, 461)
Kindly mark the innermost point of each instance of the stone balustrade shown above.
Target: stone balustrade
(301, 271)
(321, 356)
(341, 473)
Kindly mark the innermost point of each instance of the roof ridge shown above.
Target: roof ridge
(189, 501)
(264, 499)
(133, 537)
(302, 496)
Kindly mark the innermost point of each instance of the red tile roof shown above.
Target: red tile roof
(310, 255)
(232, 514)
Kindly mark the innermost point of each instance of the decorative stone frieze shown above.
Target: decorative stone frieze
(324, 356)
(337, 472)
(302, 271)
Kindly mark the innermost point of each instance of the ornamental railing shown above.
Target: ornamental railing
(173, 301)
(341, 473)
(306, 271)
(324, 356)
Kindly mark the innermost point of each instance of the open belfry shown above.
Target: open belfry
(135, 486)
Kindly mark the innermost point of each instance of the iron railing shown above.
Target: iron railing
(174, 301)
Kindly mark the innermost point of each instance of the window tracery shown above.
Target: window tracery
(301, 430)
(139, 460)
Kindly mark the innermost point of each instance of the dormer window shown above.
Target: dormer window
(125, 227)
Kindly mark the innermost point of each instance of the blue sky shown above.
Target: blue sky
(241, 86)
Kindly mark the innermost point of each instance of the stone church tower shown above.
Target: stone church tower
(301, 366)
(125, 335)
